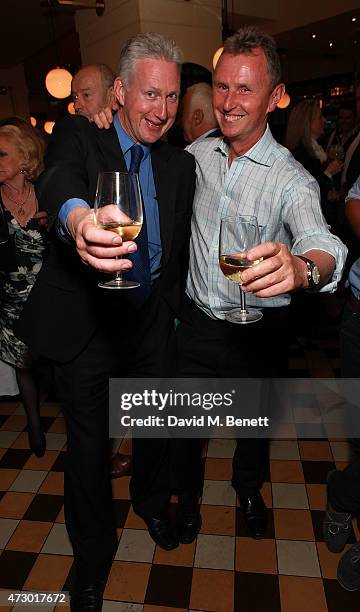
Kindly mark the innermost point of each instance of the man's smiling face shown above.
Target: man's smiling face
(150, 100)
(242, 97)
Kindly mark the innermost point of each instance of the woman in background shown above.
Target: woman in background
(21, 253)
(305, 126)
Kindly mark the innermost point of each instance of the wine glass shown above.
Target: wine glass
(238, 235)
(118, 208)
(336, 151)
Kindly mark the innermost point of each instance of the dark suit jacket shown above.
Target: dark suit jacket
(353, 170)
(65, 305)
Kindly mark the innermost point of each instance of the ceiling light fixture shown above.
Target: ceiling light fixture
(330, 44)
(354, 19)
(58, 83)
(58, 80)
(313, 36)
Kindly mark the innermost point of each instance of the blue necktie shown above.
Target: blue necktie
(140, 271)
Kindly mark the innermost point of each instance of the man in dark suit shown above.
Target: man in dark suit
(91, 333)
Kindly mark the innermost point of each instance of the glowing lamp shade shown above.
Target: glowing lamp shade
(71, 108)
(33, 121)
(216, 56)
(58, 83)
(48, 126)
(284, 102)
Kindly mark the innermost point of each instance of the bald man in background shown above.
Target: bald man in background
(197, 115)
(92, 90)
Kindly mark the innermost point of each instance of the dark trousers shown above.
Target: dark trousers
(350, 343)
(129, 343)
(212, 348)
(344, 490)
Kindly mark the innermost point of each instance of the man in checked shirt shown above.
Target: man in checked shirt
(246, 172)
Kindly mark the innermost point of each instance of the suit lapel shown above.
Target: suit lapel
(162, 171)
(110, 154)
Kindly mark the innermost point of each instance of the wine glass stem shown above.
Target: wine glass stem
(118, 276)
(242, 301)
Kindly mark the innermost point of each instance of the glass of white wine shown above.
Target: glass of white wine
(336, 151)
(118, 208)
(238, 234)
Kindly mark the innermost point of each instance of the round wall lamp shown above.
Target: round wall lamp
(33, 121)
(284, 101)
(216, 56)
(71, 108)
(48, 126)
(58, 83)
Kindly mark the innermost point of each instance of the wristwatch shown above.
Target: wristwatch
(313, 273)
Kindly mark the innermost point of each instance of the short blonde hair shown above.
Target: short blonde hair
(30, 146)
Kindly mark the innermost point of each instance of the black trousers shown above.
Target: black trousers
(212, 348)
(128, 343)
(344, 490)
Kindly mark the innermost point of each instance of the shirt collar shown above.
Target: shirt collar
(126, 142)
(260, 152)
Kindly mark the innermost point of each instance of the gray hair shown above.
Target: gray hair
(249, 38)
(145, 45)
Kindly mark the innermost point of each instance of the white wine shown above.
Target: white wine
(232, 266)
(126, 231)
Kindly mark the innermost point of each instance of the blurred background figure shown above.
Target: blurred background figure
(92, 90)
(197, 115)
(191, 73)
(305, 126)
(352, 158)
(343, 486)
(341, 138)
(21, 161)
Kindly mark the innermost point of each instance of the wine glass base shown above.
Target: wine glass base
(251, 315)
(119, 284)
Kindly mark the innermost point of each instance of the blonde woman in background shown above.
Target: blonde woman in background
(22, 250)
(305, 127)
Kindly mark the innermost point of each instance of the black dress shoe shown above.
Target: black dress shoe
(188, 522)
(254, 513)
(162, 532)
(87, 598)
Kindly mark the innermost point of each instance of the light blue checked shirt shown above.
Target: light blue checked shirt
(266, 182)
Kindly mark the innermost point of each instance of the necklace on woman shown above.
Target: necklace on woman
(20, 204)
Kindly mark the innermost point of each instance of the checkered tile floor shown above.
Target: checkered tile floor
(225, 570)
